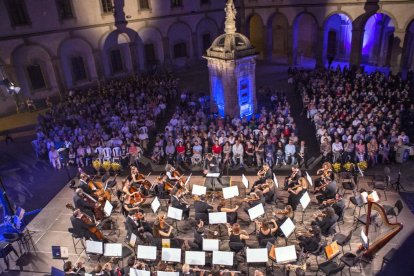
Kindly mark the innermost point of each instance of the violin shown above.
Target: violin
(87, 220)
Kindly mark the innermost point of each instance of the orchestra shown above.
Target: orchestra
(161, 231)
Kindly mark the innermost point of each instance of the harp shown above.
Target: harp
(387, 231)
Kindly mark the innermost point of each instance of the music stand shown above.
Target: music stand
(288, 227)
(195, 258)
(155, 205)
(147, 253)
(230, 192)
(217, 218)
(94, 248)
(256, 256)
(223, 258)
(175, 214)
(304, 201)
(137, 272)
(245, 182)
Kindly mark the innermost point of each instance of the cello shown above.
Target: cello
(87, 220)
(99, 191)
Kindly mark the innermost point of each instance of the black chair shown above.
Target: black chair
(343, 240)
(330, 268)
(76, 239)
(236, 247)
(341, 217)
(351, 260)
(331, 231)
(381, 182)
(5, 249)
(358, 203)
(264, 242)
(319, 251)
(388, 257)
(394, 210)
(347, 182)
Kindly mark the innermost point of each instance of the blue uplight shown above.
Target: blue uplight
(218, 95)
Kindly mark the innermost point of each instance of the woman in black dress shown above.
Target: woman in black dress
(296, 192)
(230, 212)
(266, 231)
(236, 234)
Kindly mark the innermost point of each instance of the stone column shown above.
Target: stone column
(134, 57)
(267, 38)
(166, 46)
(319, 55)
(194, 44)
(97, 55)
(397, 57)
(291, 47)
(356, 47)
(57, 68)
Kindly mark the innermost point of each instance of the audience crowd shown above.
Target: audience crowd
(358, 116)
(112, 121)
(270, 137)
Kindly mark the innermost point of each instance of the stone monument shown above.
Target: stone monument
(232, 68)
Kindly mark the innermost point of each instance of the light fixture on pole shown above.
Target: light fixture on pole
(11, 88)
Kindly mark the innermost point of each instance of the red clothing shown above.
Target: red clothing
(216, 149)
(180, 149)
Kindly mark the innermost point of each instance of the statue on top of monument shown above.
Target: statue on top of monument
(230, 24)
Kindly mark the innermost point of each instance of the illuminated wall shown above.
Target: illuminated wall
(341, 25)
(218, 93)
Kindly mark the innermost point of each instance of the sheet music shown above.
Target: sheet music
(364, 197)
(285, 254)
(214, 175)
(230, 192)
(174, 213)
(188, 180)
(305, 200)
(155, 204)
(256, 211)
(256, 255)
(163, 273)
(199, 190)
(108, 208)
(94, 247)
(195, 258)
(374, 196)
(146, 252)
(217, 217)
(275, 180)
(245, 181)
(223, 257)
(309, 179)
(287, 227)
(64, 252)
(113, 249)
(132, 239)
(210, 245)
(171, 255)
(136, 272)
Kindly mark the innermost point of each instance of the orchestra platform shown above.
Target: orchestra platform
(50, 228)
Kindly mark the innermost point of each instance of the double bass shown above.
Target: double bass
(99, 191)
(87, 220)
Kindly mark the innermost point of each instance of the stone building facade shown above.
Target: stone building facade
(50, 46)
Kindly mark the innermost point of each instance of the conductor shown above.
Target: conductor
(211, 166)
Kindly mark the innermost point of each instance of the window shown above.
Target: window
(107, 6)
(36, 77)
(144, 4)
(180, 50)
(78, 69)
(176, 3)
(17, 12)
(204, 2)
(64, 8)
(206, 41)
(150, 56)
(116, 61)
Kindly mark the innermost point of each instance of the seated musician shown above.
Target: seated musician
(81, 226)
(171, 178)
(324, 172)
(267, 189)
(201, 208)
(236, 234)
(105, 270)
(83, 205)
(328, 219)
(162, 230)
(231, 213)
(327, 190)
(282, 215)
(69, 269)
(134, 195)
(263, 174)
(178, 202)
(309, 242)
(296, 192)
(254, 199)
(130, 206)
(293, 178)
(163, 188)
(337, 203)
(186, 270)
(132, 263)
(135, 223)
(265, 231)
(83, 184)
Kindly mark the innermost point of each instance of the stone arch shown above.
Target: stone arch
(154, 54)
(36, 55)
(337, 37)
(121, 52)
(305, 33)
(180, 42)
(378, 39)
(408, 56)
(278, 27)
(256, 33)
(206, 30)
(76, 47)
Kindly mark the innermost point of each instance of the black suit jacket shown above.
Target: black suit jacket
(81, 204)
(175, 202)
(326, 223)
(85, 188)
(202, 207)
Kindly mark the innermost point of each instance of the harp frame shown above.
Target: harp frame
(375, 245)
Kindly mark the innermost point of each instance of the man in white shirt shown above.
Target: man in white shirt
(290, 151)
(337, 149)
(238, 152)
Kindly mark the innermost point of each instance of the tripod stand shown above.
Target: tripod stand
(398, 186)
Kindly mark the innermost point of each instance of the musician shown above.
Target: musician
(78, 270)
(324, 172)
(169, 169)
(337, 203)
(296, 192)
(162, 188)
(132, 263)
(302, 153)
(135, 223)
(81, 226)
(293, 178)
(201, 209)
(178, 202)
(129, 206)
(282, 216)
(236, 234)
(211, 165)
(134, 196)
(81, 204)
(254, 199)
(309, 242)
(267, 189)
(186, 270)
(327, 190)
(265, 231)
(329, 217)
(83, 184)
(231, 213)
(162, 230)
(263, 174)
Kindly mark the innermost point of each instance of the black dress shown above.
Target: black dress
(231, 216)
(294, 199)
